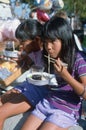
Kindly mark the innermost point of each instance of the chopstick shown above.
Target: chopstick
(52, 60)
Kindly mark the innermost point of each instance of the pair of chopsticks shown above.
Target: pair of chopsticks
(52, 60)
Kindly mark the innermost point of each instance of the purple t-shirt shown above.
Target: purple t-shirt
(37, 58)
(63, 96)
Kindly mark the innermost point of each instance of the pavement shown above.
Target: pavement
(15, 122)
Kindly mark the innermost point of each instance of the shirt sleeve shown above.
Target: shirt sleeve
(81, 64)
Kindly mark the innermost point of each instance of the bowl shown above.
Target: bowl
(38, 78)
(42, 78)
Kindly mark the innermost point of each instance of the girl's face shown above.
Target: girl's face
(31, 45)
(27, 46)
(53, 48)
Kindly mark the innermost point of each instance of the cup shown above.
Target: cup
(37, 68)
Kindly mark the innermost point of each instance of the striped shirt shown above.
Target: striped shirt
(63, 96)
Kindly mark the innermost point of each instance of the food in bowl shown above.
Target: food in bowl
(36, 77)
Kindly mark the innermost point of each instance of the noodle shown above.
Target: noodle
(48, 63)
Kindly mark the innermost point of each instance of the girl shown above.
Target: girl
(61, 108)
(25, 96)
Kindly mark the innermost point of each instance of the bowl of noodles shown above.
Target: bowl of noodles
(38, 78)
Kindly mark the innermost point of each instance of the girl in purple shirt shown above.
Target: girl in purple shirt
(60, 109)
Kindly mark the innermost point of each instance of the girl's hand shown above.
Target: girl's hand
(59, 66)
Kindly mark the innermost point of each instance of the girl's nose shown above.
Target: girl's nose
(49, 46)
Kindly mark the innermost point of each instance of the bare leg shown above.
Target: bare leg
(50, 126)
(12, 103)
(32, 123)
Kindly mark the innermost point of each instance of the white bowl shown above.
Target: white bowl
(43, 81)
(47, 79)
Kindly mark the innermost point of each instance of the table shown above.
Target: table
(19, 80)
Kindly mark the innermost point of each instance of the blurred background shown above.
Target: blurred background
(42, 10)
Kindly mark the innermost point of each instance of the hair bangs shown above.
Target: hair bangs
(48, 33)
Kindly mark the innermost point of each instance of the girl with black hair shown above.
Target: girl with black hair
(60, 109)
(25, 96)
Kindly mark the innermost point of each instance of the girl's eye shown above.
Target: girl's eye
(52, 42)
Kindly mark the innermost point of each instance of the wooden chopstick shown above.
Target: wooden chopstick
(52, 60)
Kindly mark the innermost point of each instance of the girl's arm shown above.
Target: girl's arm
(79, 87)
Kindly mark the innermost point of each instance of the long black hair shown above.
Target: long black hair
(28, 30)
(58, 28)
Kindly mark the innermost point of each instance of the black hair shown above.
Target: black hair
(28, 30)
(59, 28)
